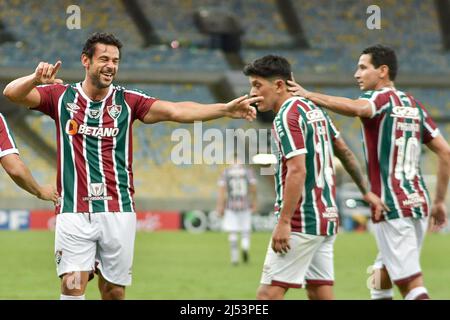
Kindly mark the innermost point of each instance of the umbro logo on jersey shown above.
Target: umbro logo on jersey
(405, 112)
(114, 110)
(73, 128)
(72, 107)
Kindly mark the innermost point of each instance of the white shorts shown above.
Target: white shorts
(108, 238)
(310, 258)
(237, 221)
(399, 243)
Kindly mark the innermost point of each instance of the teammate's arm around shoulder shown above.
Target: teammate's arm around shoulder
(348, 107)
(438, 211)
(23, 90)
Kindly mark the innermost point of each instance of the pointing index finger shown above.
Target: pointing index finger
(56, 67)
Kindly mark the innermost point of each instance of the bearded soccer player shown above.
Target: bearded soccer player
(394, 127)
(96, 218)
(17, 170)
(301, 248)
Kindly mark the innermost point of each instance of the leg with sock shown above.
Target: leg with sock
(234, 247)
(245, 246)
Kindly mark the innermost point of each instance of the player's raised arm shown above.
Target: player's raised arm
(187, 112)
(23, 90)
(348, 107)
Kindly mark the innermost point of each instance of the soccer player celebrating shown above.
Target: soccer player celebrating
(17, 170)
(236, 202)
(301, 247)
(96, 218)
(394, 126)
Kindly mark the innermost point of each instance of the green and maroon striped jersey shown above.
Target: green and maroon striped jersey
(7, 143)
(301, 127)
(94, 146)
(393, 139)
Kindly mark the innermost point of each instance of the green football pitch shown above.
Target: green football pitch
(181, 265)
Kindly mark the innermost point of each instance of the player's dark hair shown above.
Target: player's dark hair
(382, 55)
(269, 66)
(104, 38)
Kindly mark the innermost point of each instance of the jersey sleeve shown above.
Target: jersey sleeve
(140, 103)
(429, 128)
(7, 143)
(379, 101)
(49, 98)
(290, 133)
(333, 129)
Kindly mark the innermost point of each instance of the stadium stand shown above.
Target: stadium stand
(335, 30)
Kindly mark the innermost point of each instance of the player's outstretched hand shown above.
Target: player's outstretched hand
(438, 216)
(48, 193)
(376, 203)
(240, 108)
(45, 73)
(280, 237)
(297, 90)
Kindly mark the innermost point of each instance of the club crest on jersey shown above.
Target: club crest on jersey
(94, 113)
(72, 107)
(114, 110)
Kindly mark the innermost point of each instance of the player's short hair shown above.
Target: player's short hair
(383, 55)
(269, 66)
(100, 37)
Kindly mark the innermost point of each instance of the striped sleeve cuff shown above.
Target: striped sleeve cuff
(372, 106)
(296, 153)
(8, 151)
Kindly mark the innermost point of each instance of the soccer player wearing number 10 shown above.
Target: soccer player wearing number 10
(306, 140)
(394, 126)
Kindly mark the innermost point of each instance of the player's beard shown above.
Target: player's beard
(97, 81)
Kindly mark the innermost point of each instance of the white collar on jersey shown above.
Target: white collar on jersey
(84, 95)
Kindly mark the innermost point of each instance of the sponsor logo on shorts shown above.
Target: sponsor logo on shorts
(58, 256)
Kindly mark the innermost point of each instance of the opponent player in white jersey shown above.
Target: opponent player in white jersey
(394, 127)
(96, 219)
(236, 202)
(17, 170)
